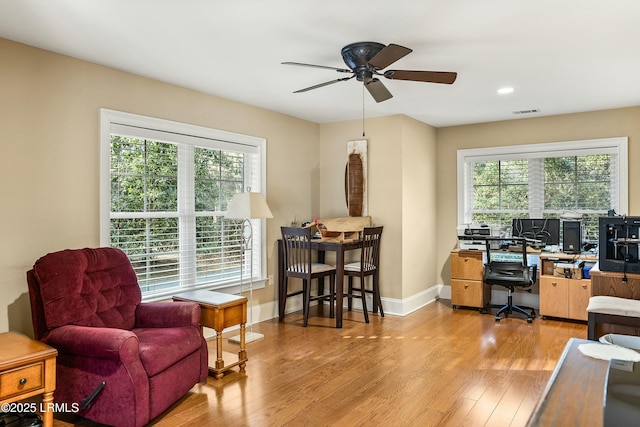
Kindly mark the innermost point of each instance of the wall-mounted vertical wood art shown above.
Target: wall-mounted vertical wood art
(355, 178)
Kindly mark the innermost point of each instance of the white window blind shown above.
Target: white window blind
(543, 181)
(164, 191)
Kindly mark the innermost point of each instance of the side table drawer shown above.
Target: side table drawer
(21, 380)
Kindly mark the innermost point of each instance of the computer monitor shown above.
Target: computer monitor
(546, 230)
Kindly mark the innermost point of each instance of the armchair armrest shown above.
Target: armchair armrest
(94, 342)
(167, 314)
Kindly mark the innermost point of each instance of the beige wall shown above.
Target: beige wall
(401, 193)
(570, 127)
(419, 247)
(384, 185)
(49, 118)
(49, 189)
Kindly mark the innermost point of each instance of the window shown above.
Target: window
(588, 178)
(164, 191)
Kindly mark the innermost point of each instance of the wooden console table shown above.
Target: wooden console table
(574, 395)
(220, 311)
(27, 368)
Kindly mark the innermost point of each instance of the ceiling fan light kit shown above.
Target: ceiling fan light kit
(366, 61)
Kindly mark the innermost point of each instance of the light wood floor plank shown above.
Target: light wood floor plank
(436, 366)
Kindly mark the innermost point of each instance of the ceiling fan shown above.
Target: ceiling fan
(366, 61)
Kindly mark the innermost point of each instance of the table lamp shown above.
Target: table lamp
(246, 206)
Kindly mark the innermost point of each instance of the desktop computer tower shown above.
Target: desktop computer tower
(571, 237)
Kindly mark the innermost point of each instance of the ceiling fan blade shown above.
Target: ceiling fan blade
(378, 90)
(324, 84)
(340, 70)
(422, 76)
(389, 55)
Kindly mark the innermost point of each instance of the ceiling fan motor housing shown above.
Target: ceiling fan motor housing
(357, 57)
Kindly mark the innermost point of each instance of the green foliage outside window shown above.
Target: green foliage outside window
(144, 191)
(218, 176)
(506, 189)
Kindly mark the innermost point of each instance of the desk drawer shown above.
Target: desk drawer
(468, 293)
(466, 265)
(554, 296)
(21, 380)
(579, 293)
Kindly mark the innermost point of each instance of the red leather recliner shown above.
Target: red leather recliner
(86, 303)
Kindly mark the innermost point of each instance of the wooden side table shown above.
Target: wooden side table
(220, 311)
(27, 368)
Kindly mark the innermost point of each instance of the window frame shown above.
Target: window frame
(614, 145)
(111, 121)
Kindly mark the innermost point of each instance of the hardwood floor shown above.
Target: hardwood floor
(434, 367)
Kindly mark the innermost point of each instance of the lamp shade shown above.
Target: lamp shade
(248, 205)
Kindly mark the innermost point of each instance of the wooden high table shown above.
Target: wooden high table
(27, 368)
(219, 311)
(322, 246)
(574, 395)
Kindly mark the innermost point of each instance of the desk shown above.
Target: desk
(27, 368)
(559, 297)
(322, 247)
(574, 395)
(564, 297)
(219, 311)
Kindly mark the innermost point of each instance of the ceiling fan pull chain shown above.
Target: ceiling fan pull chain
(363, 109)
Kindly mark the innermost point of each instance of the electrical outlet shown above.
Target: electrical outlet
(270, 280)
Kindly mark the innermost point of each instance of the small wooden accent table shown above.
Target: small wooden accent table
(220, 311)
(27, 368)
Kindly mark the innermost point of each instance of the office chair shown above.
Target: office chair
(298, 263)
(511, 275)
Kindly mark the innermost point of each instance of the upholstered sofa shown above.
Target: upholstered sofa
(86, 303)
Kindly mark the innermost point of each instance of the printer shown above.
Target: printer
(474, 236)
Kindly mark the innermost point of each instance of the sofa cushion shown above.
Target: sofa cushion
(163, 347)
(88, 287)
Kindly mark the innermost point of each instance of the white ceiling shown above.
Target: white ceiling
(561, 56)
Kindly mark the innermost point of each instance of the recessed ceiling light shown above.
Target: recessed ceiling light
(505, 90)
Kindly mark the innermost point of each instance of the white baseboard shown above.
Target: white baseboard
(391, 306)
(499, 296)
(409, 305)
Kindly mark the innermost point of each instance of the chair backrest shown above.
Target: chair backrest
(86, 287)
(297, 250)
(519, 243)
(511, 272)
(370, 254)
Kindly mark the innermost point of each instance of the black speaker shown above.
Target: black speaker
(571, 237)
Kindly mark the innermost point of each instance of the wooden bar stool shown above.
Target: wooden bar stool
(369, 265)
